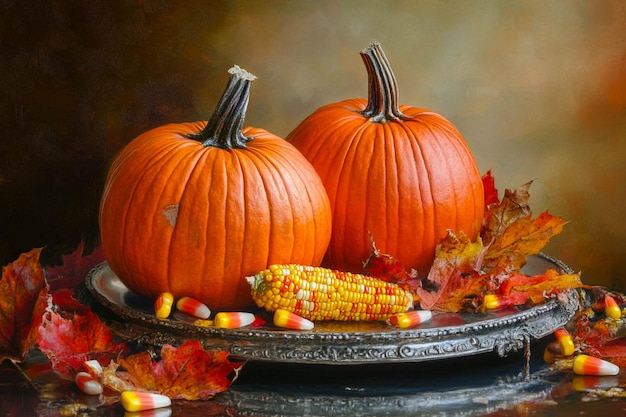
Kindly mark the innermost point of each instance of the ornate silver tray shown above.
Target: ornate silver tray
(446, 336)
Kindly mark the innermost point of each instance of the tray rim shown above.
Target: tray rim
(504, 335)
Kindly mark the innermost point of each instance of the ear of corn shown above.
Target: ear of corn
(317, 293)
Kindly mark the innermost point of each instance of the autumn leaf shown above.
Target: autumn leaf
(491, 192)
(453, 269)
(73, 269)
(540, 286)
(186, 372)
(69, 342)
(501, 215)
(24, 299)
(522, 238)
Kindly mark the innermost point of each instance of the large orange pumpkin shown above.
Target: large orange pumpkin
(404, 174)
(193, 208)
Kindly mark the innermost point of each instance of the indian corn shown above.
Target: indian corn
(317, 293)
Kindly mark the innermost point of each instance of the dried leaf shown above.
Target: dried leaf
(69, 342)
(454, 268)
(187, 372)
(24, 299)
(500, 216)
(491, 192)
(522, 238)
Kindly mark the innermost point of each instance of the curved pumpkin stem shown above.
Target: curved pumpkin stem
(382, 102)
(224, 129)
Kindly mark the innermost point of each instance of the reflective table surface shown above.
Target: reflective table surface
(485, 385)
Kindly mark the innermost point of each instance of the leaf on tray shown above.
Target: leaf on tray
(24, 299)
(454, 269)
(187, 372)
(538, 287)
(73, 269)
(69, 342)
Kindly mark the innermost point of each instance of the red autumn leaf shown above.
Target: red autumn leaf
(24, 299)
(491, 193)
(73, 269)
(187, 372)
(387, 268)
(613, 351)
(538, 287)
(69, 342)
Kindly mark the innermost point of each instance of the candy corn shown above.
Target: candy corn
(193, 307)
(565, 341)
(87, 383)
(94, 367)
(163, 305)
(495, 301)
(410, 318)
(232, 320)
(139, 401)
(289, 320)
(611, 309)
(589, 365)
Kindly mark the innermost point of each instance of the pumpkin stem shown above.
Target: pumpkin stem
(382, 102)
(224, 129)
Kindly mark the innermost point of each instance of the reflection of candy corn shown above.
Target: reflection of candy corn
(232, 320)
(163, 305)
(565, 341)
(410, 318)
(158, 412)
(589, 365)
(193, 307)
(139, 401)
(88, 384)
(289, 320)
(590, 383)
(611, 309)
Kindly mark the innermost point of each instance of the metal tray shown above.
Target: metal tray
(446, 336)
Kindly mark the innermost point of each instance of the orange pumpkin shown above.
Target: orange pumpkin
(194, 208)
(403, 173)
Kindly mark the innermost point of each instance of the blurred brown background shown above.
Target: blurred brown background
(538, 88)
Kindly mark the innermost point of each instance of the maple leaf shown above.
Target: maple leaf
(186, 372)
(501, 215)
(69, 342)
(24, 299)
(73, 269)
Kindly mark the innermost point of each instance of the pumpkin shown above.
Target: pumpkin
(194, 208)
(403, 174)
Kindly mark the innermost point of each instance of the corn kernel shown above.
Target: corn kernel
(193, 307)
(139, 401)
(589, 365)
(233, 320)
(163, 305)
(611, 309)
